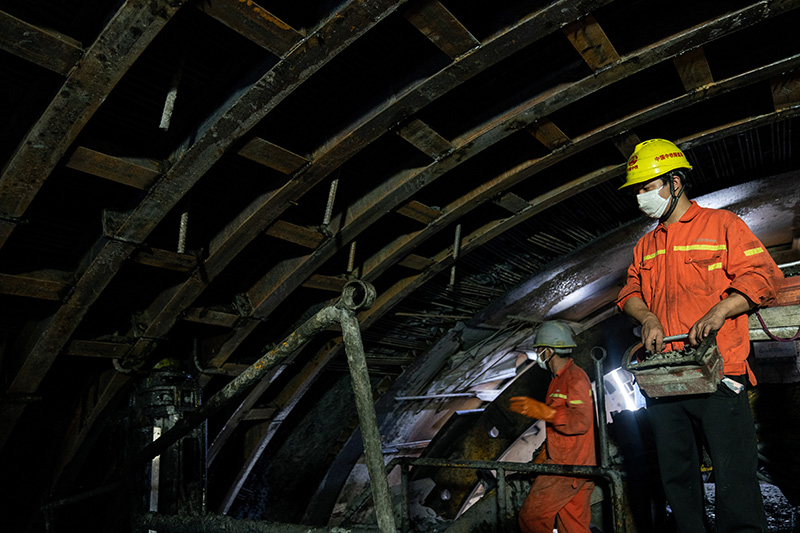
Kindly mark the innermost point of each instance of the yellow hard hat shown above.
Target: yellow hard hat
(651, 159)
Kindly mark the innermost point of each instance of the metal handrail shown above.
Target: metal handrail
(612, 475)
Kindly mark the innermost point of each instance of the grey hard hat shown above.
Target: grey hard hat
(555, 334)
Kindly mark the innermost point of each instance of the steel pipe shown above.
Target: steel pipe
(226, 524)
(365, 406)
(356, 294)
(601, 404)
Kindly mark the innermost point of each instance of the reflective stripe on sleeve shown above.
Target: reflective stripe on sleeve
(753, 251)
(576, 402)
(557, 395)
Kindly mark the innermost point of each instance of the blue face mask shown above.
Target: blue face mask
(652, 204)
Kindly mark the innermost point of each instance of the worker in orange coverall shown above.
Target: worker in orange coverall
(699, 271)
(560, 501)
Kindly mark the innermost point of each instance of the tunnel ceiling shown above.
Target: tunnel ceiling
(191, 180)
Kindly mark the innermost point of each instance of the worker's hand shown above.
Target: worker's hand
(652, 330)
(735, 304)
(652, 334)
(532, 408)
(710, 322)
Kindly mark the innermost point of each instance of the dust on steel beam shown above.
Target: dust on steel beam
(88, 85)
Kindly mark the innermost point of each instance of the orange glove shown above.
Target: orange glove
(532, 408)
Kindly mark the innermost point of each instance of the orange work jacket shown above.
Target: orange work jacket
(570, 437)
(682, 271)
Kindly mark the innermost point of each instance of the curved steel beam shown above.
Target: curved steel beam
(240, 113)
(482, 235)
(271, 290)
(104, 63)
(162, 314)
(381, 261)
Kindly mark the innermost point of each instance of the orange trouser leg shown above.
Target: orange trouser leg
(556, 498)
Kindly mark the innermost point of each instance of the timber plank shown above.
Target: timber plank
(138, 173)
(85, 89)
(441, 27)
(272, 156)
(693, 69)
(46, 48)
(255, 23)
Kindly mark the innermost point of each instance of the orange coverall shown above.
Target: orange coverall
(570, 440)
(682, 271)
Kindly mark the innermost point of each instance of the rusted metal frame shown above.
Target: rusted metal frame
(243, 111)
(480, 236)
(693, 69)
(591, 42)
(260, 414)
(389, 254)
(46, 48)
(225, 524)
(348, 143)
(366, 210)
(733, 128)
(43, 285)
(557, 98)
(267, 208)
(255, 23)
(440, 26)
(364, 403)
(502, 495)
(138, 173)
(53, 333)
(104, 63)
(289, 273)
(213, 138)
(243, 382)
(611, 475)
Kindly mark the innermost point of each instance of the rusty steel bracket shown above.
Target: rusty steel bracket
(356, 295)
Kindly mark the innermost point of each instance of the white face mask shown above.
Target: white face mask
(541, 361)
(652, 204)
